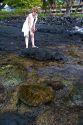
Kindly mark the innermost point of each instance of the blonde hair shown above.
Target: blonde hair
(34, 9)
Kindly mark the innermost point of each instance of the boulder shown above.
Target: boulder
(43, 54)
(34, 95)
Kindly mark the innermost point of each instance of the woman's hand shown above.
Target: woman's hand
(34, 30)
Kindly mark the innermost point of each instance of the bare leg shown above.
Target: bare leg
(26, 41)
(32, 39)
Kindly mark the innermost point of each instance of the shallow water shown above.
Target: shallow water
(64, 77)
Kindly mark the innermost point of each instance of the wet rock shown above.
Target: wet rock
(53, 32)
(11, 75)
(77, 98)
(80, 119)
(53, 29)
(77, 31)
(44, 54)
(58, 116)
(46, 118)
(63, 87)
(52, 24)
(80, 62)
(55, 82)
(34, 95)
(68, 71)
(3, 96)
(11, 118)
(11, 102)
(14, 118)
(10, 39)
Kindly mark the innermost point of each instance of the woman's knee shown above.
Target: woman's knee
(32, 35)
(26, 36)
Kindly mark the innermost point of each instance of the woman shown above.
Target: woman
(29, 27)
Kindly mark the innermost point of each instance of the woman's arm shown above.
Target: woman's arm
(29, 22)
(35, 20)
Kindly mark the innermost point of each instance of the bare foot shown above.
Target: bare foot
(34, 46)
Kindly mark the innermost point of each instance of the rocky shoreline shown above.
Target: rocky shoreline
(57, 66)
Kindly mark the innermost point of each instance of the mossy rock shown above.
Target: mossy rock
(34, 95)
(12, 75)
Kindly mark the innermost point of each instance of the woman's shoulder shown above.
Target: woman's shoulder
(30, 14)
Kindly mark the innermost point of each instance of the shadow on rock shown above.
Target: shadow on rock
(28, 118)
(43, 54)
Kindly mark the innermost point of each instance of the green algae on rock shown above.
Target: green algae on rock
(58, 116)
(11, 74)
(34, 95)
